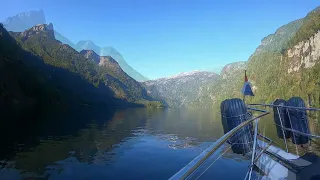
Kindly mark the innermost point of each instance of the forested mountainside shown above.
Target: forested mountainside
(110, 51)
(286, 64)
(226, 85)
(129, 87)
(26, 20)
(25, 79)
(180, 90)
(38, 69)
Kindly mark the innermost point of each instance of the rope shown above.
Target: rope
(298, 132)
(284, 136)
(233, 116)
(289, 107)
(247, 115)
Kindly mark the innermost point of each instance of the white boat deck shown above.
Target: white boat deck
(272, 168)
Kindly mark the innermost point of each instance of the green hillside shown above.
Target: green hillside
(38, 70)
(271, 67)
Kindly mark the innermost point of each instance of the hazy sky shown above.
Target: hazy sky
(164, 37)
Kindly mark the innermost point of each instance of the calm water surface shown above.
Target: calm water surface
(123, 144)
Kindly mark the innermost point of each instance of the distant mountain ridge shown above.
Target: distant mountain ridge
(180, 90)
(192, 74)
(197, 89)
(26, 20)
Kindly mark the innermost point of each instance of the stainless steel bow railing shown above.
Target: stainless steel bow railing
(190, 168)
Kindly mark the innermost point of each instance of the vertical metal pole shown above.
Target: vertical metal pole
(244, 96)
(292, 131)
(284, 137)
(254, 146)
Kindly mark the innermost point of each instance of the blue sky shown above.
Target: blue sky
(165, 37)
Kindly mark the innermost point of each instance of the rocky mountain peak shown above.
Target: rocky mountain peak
(46, 29)
(108, 61)
(233, 68)
(42, 27)
(105, 61)
(90, 54)
(87, 45)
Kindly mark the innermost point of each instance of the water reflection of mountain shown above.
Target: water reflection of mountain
(23, 131)
(101, 140)
(82, 134)
(90, 135)
(186, 128)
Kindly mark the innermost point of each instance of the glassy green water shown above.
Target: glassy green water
(123, 144)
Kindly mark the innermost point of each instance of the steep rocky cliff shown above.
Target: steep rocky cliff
(305, 54)
(292, 70)
(44, 29)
